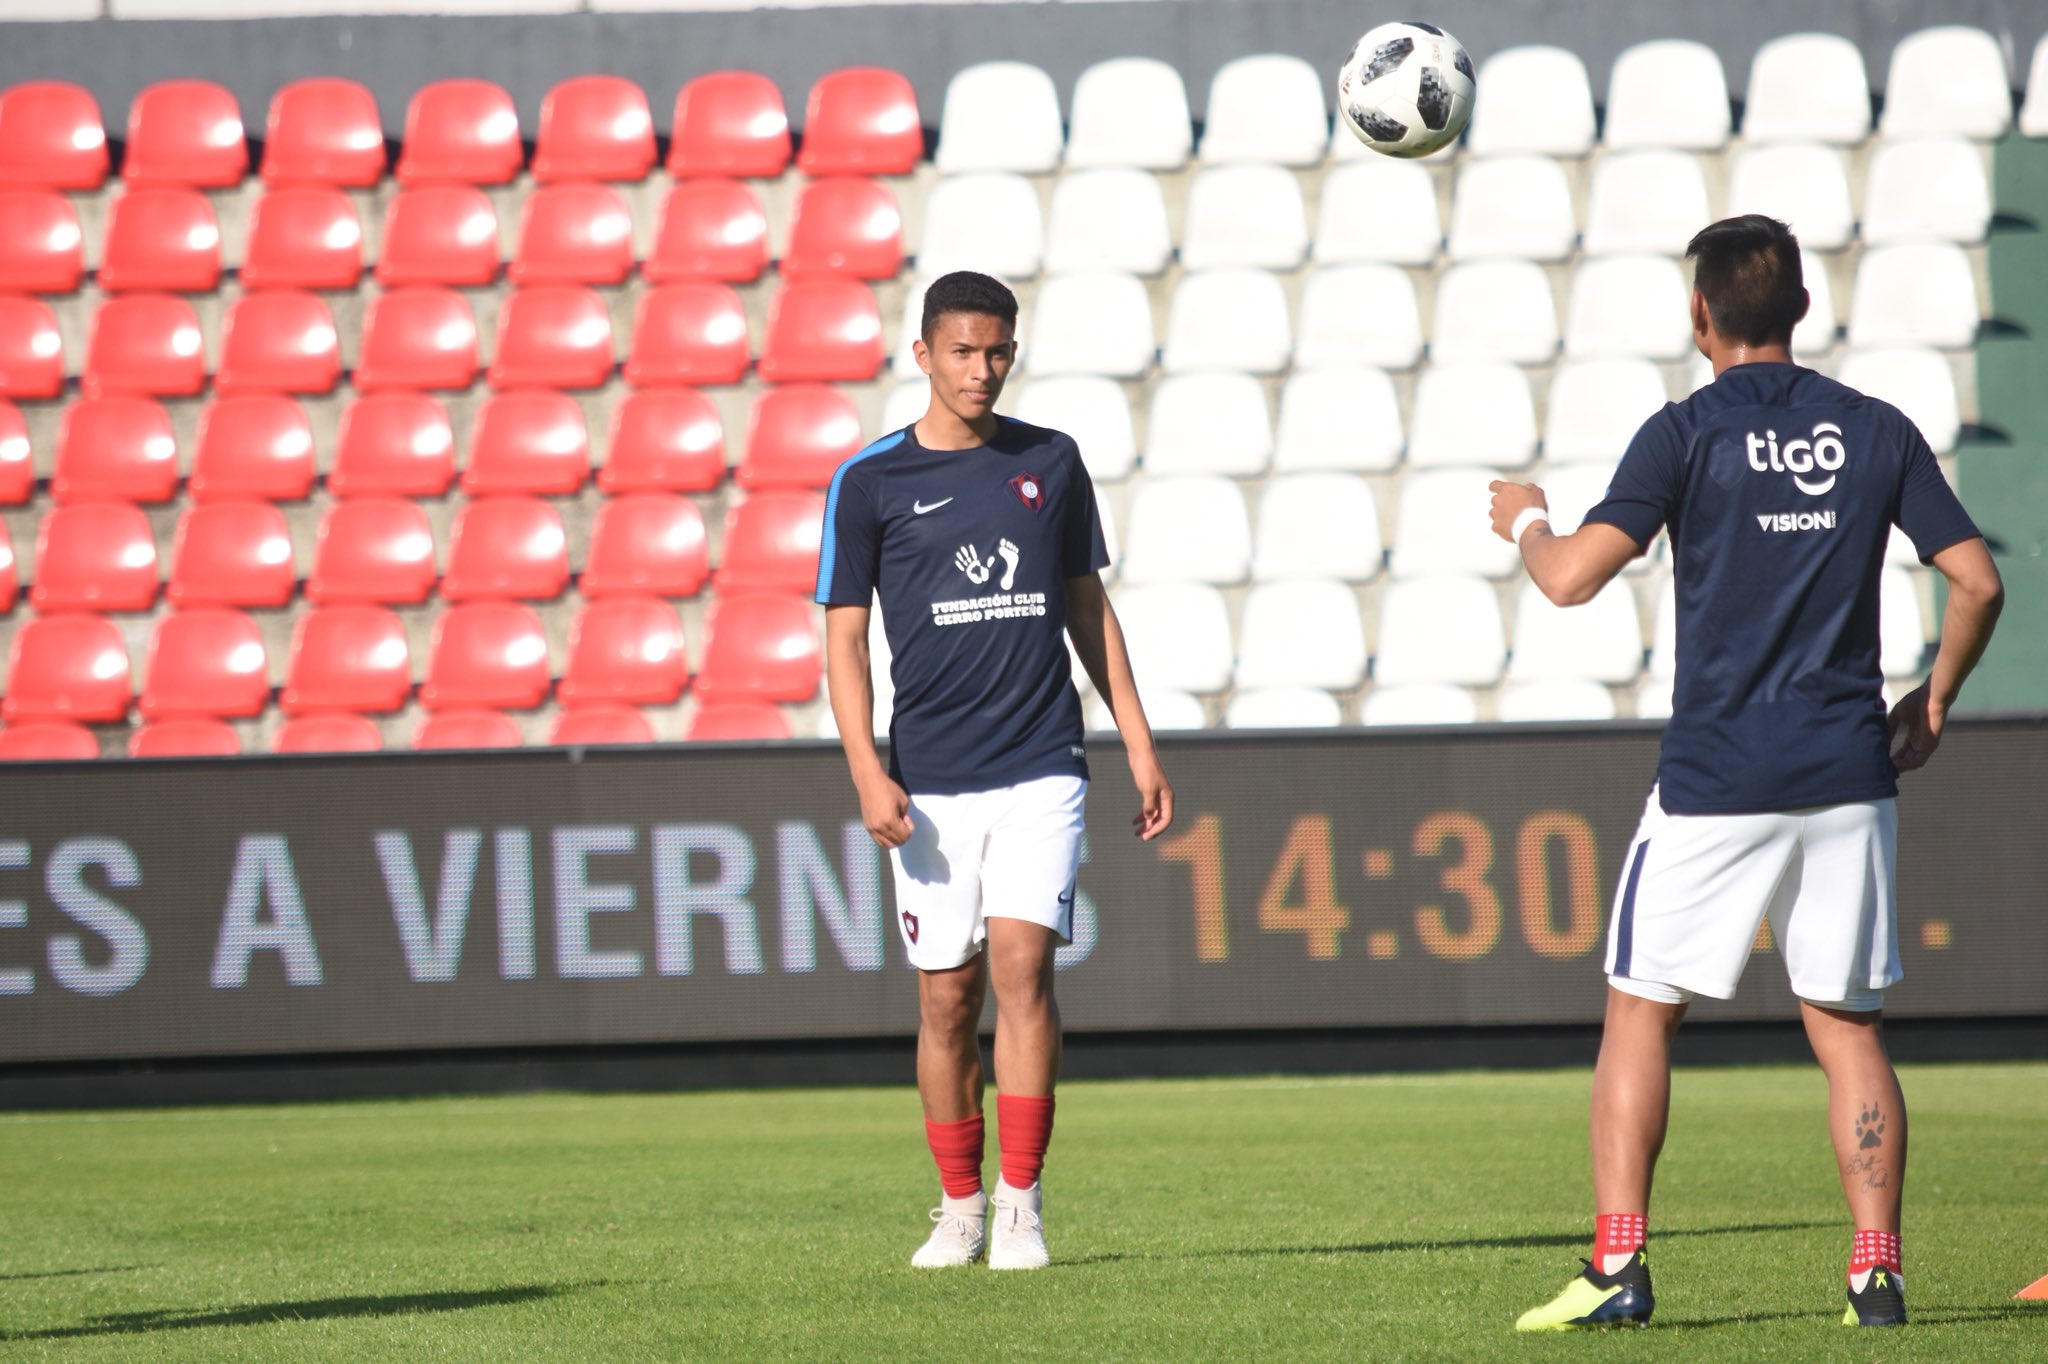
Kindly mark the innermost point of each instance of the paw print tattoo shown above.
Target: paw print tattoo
(1869, 1128)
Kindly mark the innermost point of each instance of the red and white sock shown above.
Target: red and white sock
(1023, 1130)
(957, 1148)
(1871, 1250)
(1616, 1237)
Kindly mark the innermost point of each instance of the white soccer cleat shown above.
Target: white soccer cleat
(956, 1240)
(1017, 1236)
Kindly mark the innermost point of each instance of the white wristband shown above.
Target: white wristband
(1529, 516)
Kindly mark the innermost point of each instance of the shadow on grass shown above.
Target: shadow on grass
(1918, 1316)
(1548, 1239)
(312, 1309)
(73, 1273)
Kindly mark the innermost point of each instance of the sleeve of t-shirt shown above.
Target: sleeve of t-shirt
(849, 558)
(1082, 548)
(1929, 511)
(1644, 491)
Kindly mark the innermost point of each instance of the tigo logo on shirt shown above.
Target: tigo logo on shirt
(1824, 452)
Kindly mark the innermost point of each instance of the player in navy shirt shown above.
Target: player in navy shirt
(1779, 489)
(980, 537)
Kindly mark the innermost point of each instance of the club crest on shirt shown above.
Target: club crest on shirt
(1029, 489)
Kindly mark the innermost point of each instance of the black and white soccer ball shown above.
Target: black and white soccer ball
(1406, 89)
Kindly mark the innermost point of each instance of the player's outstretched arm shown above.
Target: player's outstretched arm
(1568, 569)
(1099, 641)
(1976, 595)
(884, 806)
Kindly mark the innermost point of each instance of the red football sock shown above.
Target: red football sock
(1023, 1129)
(957, 1147)
(1874, 1248)
(1618, 1233)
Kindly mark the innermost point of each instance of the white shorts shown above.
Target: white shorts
(1008, 853)
(1695, 888)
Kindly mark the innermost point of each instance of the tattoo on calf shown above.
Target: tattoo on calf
(1870, 1128)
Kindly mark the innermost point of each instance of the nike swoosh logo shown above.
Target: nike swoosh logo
(919, 508)
(1066, 899)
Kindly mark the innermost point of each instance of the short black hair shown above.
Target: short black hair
(966, 291)
(1748, 269)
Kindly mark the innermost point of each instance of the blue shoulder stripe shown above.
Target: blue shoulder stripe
(828, 548)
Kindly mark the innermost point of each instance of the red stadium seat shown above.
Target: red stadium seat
(861, 121)
(94, 556)
(798, 436)
(573, 234)
(394, 445)
(529, 441)
(507, 547)
(324, 131)
(647, 544)
(688, 334)
(185, 133)
(327, 734)
(31, 349)
(759, 648)
(191, 737)
(161, 239)
(771, 543)
(254, 446)
(737, 721)
(417, 338)
(845, 225)
(10, 582)
(115, 450)
(279, 342)
(17, 459)
(42, 247)
(305, 237)
(488, 653)
(67, 668)
(376, 549)
(207, 662)
(47, 740)
(439, 234)
(460, 132)
(709, 229)
(823, 329)
(351, 658)
(51, 137)
(663, 440)
(627, 649)
(552, 336)
(594, 128)
(232, 554)
(467, 729)
(145, 344)
(729, 123)
(589, 725)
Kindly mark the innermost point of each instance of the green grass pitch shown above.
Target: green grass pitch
(1374, 1218)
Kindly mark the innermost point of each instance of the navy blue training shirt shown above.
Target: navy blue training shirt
(969, 552)
(1779, 487)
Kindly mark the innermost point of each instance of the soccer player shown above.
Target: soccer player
(1774, 790)
(980, 537)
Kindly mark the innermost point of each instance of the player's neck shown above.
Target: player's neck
(940, 428)
(1727, 357)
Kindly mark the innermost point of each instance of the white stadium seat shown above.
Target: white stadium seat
(1178, 635)
(1667, 93)
(1926, 189)
(1442, 630)
(1572, 490)
(1561, 700)
(1902, 638)
(1317, 526)
(1166, 708)
(1653, 698)
(1244, 215)
(1283, 708)
(1801, 184)
(1477, 413)
(1599, 641)
(1421, 703)
(1304, 633)
(1645, 201)
(1092, 410)
(1807, 87)
(1441, 525)
(1229, 319)
(906, 402)
(1378, 209)
(1919, 294)
(1537, 99)
(1494, 310)
(1359, 315)
(1209, 424)
(1112, 537)
(987, 221)
(1268, 108)
(1597, 406)
(1000, 116)
(1108, 220)
(1664, 632)
(1816, 331)
(1191, 529)
(1624, 306)
(1091, 322)
(1346, 418)
(1513, 207)
(1917, 381)
(2034, 113)
(1947, 79)
(1130, 111)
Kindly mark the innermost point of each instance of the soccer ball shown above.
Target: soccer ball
(1406, 89)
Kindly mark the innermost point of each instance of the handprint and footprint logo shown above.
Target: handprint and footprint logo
(978, 570)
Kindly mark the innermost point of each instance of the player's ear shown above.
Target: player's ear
(1702, 322)
(922, 354)
(1805, 304)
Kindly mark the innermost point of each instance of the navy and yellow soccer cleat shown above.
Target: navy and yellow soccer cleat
(1622, 1298)
(1881, 1303)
